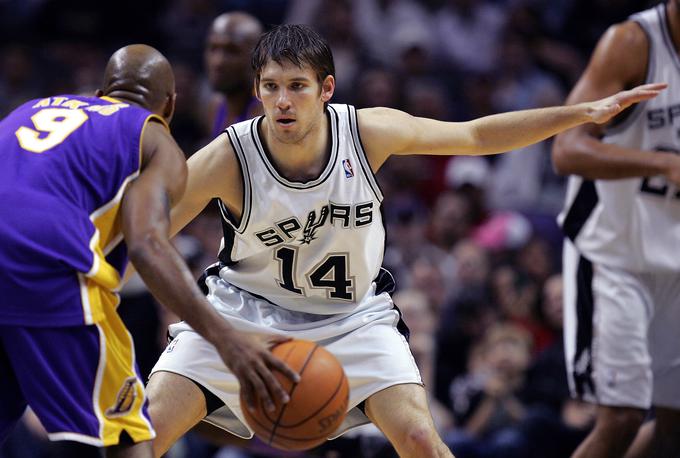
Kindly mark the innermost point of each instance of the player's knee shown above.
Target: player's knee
(420, 440)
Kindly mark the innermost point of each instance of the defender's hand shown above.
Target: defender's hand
(601, 111)
(249, 357)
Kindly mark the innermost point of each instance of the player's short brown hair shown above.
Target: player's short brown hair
(297, 44)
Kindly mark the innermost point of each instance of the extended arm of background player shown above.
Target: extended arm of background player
(619, 61)
(386, 131)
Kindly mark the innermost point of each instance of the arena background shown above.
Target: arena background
(472, 242)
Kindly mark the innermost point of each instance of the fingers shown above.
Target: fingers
(282, 367)
(272, 384)
(248, 393)
(261, 392)
(653, 87)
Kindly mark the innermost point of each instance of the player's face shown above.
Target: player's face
(293, 100)
(227, 60)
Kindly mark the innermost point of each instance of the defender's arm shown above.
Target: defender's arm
(579, 151)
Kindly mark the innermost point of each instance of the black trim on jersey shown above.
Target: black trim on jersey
(384, 283)
(247, 185)
(271, 166)
(665, 28)
(580, 210)
(361, 153)
(629, 116)
(228, 234)
(585, 309)
(212, 270)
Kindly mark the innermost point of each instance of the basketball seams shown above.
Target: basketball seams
(328, 401)
(283, 409)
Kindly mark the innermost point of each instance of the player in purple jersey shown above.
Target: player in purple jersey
(85, 182)
(230, 40)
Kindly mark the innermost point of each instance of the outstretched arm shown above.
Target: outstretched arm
(145, 218)
(579, 151)
(386, 131)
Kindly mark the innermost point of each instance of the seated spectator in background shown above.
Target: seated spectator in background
(463, 321)
(555, 424)
(494, 230)
(419, 315)
(486, 401)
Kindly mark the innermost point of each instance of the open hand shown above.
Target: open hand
(249, 357)
(601, 111)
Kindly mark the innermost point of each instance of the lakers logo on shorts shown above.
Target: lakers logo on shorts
(125, 399)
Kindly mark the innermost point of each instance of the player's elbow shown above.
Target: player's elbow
(145, 247)
(563, 159)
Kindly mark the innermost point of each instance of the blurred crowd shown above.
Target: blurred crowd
(471, 241)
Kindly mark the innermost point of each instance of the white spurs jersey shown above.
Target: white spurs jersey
(313, 247)
(634, 223)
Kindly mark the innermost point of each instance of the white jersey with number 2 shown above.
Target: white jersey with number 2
(634, 224)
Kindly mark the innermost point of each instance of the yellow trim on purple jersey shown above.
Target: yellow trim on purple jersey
(119, 396)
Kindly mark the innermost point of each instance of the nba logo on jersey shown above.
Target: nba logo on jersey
(347, 166)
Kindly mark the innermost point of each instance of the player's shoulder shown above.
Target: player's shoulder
(625, 38)
(621, 55)
(216, 155)
(381, 118)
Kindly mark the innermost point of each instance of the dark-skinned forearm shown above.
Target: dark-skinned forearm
(173, 286)
(590, 158)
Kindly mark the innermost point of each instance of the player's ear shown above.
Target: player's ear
(327, 88)
(169, 108)
(256, 89)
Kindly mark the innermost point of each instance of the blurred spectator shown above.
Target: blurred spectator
(451, 220)
(378, 87)
(486, 401)
(521, 82)
(385, 26)
(469, 32)
(18, 78)
(494, 230)
(229, 42)
(335, 22)
(463, 320)
(420, 317)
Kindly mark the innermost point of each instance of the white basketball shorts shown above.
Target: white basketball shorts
(372, 351)
(621, 334)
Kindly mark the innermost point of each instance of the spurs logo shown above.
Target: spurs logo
(312, 225)
(125, 399)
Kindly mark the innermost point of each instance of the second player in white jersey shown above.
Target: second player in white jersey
(321, 240)
(631, 223)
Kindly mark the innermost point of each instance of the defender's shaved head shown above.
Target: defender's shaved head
(238, 23)
(229, 42)
(142, 75)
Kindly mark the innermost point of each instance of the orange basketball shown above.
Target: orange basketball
(318, 402)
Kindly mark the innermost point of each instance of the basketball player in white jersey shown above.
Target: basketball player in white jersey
(303, 239)
(622, 247)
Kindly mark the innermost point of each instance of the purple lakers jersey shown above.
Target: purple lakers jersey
(66, 161)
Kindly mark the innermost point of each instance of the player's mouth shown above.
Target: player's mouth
(285, 122)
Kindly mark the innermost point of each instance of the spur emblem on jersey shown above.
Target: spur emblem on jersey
(345, 216)
(347, 167)
(124, 400)
(308, 233)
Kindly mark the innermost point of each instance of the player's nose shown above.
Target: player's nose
(283, 101)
